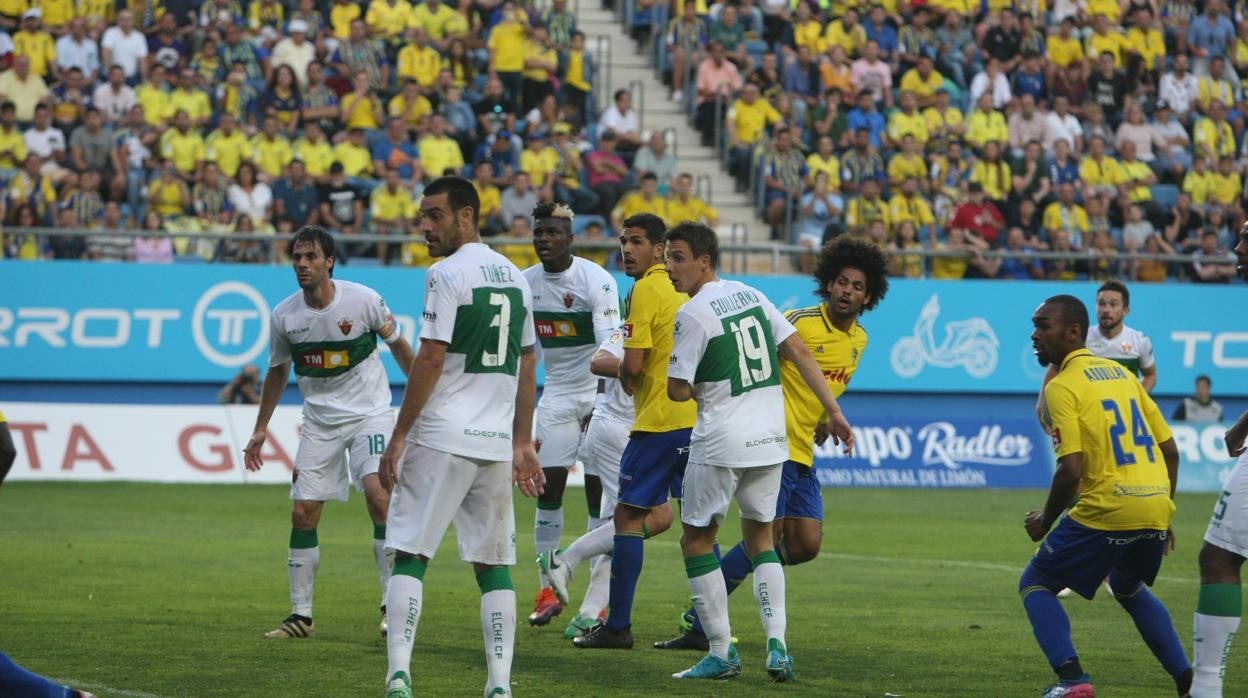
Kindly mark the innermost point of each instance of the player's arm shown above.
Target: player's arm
(679, 390)
(794, 350)
(1148, 366)
(1060, 404)
(274, 385)
(526, 469)
(630, 367)
(638, 338)
(403, 354)
(1148, 377)
(688, 346)
(422, 378)
(605, 364)
(1236, 435)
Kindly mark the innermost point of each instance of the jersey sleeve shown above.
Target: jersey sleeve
(688, 346)
(614, 343)
(279, 344)
(528, 333)
(437, 322)
(641, 310)
(606, 303)
(381, 320)
(1061, 412)
(1147, 359)
(781, 328)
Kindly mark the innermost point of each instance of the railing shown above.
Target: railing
(602, 81)
(739, 249)
(637, 89)
(702, 188)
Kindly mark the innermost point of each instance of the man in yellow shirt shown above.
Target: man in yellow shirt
(944, 123)
(438, 152)
(540, 161)
(684, 206)
(1063, 49)
(357, 162)
(923, 81)
(227, 146)
(540, 64)
(189, 98)
(34, 43)
(986, 124)
(906, 164)
(847, 33)
(419, 61)
(410, 105)
(392, 209)
(315, 152)
(155, 101)
(746, 123)
(184, 147)
(12, 141)
(270, 149)
(1212, 136)
(1105, 40)
(506, 44)
(644, 199)
(869, 208)
(386, 19)
(435, 18)
(1118, 463)
(1147, 42)
(341, 15)
(1101, 174)
(909, 206)
(824, 161)
(907, 121)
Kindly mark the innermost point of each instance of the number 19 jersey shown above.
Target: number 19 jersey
(725, 341)
(478, 304)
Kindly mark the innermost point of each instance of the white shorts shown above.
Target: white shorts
(709, 490)
(601, 451)
(436, 488)
(330, 458)
(1228, 527)
(559, 421)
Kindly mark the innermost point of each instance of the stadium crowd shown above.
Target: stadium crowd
(1097, 127)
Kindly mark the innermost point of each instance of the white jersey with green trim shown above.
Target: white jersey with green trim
(334, 352)
(478, 304)
(613, 402)
(574, 311)
(1130, 347)
(725, 341)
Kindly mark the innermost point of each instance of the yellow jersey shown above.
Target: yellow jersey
(815, 163)
(388, 20)
(1138, 171)
(649, 318)
(155, 103)
(397, 205)
(982, 126)
(316, 157)
(901, 124)
(995, 180)
(185, 150)
(12, 148)
(420, 108)
(913, 82)
(1109, 42)
(534, 51)
(1110, 8)
(1063, 52)
(272, 156)
(363, 117)
(694, 209)
(912, 209)
(1213, 138)
(752, 119)
(438, 154)
(506, 44)
(39, 47)
(420, 64)
(837, 354)
(227, 151)
(194, 102)
(902, 167)
(1073, 220)
(849, 40)
(436, 23)
(356, 160)
(340, 17)
(1226, 189)
(1149, 44)
(634, 202)
(540, 164)
(1106, 173)
(1097, 408)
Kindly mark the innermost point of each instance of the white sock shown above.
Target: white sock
(599, 541)
(710, 598)
(385, 565)
(498, 627)
(547, 530)
(592, 522)
(599, 587)
(302, 567)
(1211, 640)
(769, 593)
(404, 602)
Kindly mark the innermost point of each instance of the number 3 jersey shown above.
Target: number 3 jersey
(725, 341)
(574, 311)
(1094, 406)
(479, 305)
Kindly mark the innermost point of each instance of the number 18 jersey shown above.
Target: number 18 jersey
(478, 303)
(725, 341)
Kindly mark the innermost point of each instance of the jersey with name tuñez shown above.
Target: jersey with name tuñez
(334, 352)
(725, 347)
(477, 303)
(574, 311)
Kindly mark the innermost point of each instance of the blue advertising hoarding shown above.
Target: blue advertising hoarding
(77, 321)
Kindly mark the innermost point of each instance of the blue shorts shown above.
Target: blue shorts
(1079, 557)
(800, 496)
(653, 466)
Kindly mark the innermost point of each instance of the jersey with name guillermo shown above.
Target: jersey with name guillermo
(837, 353)
(334, 352)
(574, 311)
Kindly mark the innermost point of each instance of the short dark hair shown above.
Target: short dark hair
(1203, 377)
(460, 193)
(700, 238)
(648, 176)
(1072, 311)
(1116, 285)
(318, 235)
(653, 226)
(850, 253)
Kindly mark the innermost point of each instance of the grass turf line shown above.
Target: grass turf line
(167, 589)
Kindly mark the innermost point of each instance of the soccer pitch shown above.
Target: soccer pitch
(158, 590)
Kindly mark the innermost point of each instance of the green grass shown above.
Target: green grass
(166, 590)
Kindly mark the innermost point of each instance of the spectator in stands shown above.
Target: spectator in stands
(506, 43)
(953, 265)
(802, 82)
(907, 121)
(1061, 125)
(541, 65)
(518, 199)
(567, 175)
(251, 197)
(644, 199)
(24, 89)
(606, 172)
(980, 218)
(686, 36)
(1210, 36)
(729, 33)
(1213, 263)
(993, 175)
(1200, 407)
(1031, 179)
(271, 152)
(784, 172)
(361, 108)
(397, 151)
(210, 197)
(683, 206)
(77, 50)
(341, 206)
(746, 126)
(241, 390)
(865, 116)
(657, 158)
(1019, 268)
(356, 160)
(994, 83)
(873, 75)
(909, 206)
(577, 75)
(168, 195)
(869, 208)
(1180, 89)
(862, 163)
(295, 51)
(1025, 125)
(153, 249)
(718, 80)
(48, 144)
(82, 206)
(295, 201)
(1061, 268)
(393, 210)
(111, 248)
(621, 118)
(906, 164)
(495, 112)
(1066, 215)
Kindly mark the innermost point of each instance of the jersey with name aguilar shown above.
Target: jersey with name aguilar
(334, 352)
(574, 311)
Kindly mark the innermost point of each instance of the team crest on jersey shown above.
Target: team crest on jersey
(628, 330)
(568, 299)
(1126, 347)
(854, 353)
(818, 348)
(345, 325)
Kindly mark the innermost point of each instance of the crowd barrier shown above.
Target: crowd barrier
(76, 321)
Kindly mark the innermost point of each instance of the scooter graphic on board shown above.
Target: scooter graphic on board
(969, 343)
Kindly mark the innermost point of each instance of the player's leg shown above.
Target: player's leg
(558, 437)
(601, 447)
(707, 493)
(756, 495)
(367, 445)
(17, 681)
(485, 527)
(320, 475)
(1138, 563)
(1071, 556)
(425, 501)
(1220, 604)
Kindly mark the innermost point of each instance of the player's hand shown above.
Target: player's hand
(251, 452)
(821, 433)
(388, 469)
(1170, 541)
(840, 431)
(1035, 525)
(526, 470)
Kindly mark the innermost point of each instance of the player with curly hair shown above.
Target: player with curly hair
(852, 278)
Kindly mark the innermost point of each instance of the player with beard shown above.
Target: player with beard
(851, 277)
(1221, 601)
(576, 307)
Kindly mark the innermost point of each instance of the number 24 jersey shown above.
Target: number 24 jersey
(478, 303)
